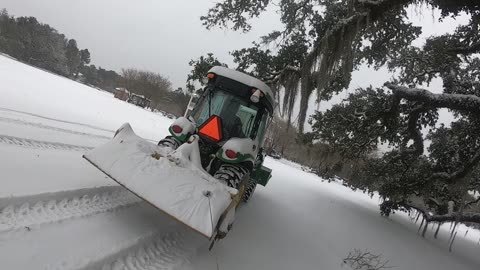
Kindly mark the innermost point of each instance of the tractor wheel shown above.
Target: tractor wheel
(169, 141)
(236, 176)
(232, 175)
(249, 189)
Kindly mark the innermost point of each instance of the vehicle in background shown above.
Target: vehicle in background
(139, 100)
(121, 93)
(274, 154)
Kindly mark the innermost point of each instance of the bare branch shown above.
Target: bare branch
(363, 259)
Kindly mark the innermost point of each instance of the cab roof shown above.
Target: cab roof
(244, 79)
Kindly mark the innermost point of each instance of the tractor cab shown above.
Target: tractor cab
(243, 110)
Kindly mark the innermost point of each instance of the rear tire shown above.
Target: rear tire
(249, 190)
(169, 141)
(233, 176)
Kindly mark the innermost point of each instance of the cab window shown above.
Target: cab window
(238, 116)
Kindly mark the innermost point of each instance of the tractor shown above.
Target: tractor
(211, 161)
(230, 117)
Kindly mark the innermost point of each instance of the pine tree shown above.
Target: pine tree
(73, 57)
(85, 57)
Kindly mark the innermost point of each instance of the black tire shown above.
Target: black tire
(249, 190)
(232, 175)
(169, 141)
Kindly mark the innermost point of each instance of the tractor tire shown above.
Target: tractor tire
(236, 176)
(249, 190)
(230, 174)
(169, 141)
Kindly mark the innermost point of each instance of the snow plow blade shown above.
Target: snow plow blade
(171, 182)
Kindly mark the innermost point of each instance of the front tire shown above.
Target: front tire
(169, 141)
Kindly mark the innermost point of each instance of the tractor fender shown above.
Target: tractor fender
(188, 128)
(246, 150)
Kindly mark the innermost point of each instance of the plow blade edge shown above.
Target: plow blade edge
(174, 186)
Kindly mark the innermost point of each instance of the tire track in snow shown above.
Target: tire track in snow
(164, 252)
(30, 143)
(57, 120)
(152, 251)
(43, 126)
(55, 209)
(67, 122)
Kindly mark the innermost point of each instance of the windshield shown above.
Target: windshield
(238, 116)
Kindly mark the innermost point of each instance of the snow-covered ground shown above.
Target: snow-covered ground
(58, 212)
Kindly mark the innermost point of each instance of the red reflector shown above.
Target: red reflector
(177, 129)
(231, 154)
(212, 128)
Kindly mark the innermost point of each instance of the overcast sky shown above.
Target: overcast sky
(156, 35)
(162, 36)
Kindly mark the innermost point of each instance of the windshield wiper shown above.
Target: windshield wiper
(210, 94)
(249, 123)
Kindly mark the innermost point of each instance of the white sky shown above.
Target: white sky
(162, 36)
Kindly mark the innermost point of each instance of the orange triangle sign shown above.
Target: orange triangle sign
(212, 128)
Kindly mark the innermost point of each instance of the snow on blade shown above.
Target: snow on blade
(188, 195)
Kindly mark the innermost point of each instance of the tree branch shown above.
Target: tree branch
(427, 72)
(275, 76)
(453, 217)
(469, 166)
(472, 202)
(470, 103)
(370, 2)
(464, 217)
(294, 15)
(474, 48)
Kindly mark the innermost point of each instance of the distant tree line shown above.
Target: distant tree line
(157, 88)
(40, 45)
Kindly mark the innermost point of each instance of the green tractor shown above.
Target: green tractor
(211, 161)
(230, 117)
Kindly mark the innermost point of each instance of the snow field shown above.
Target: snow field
(298, 222)
(14, 217)
(58, 212)
(28, 89)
